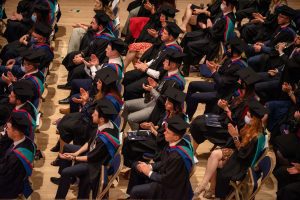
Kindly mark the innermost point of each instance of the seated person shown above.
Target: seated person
(170, 177)
(150, 33)
(75, 127)
(139, 110)
(16, 164)
(83, 34)
(31, 61)
(242, 151)
(207, 41)
(150, 64)
(213, 126)
(37, 40)
(74, 60)
(114, 51)
(224, 77)
(154, 144)
(89, 158)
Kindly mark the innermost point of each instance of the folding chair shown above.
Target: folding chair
(108, 174)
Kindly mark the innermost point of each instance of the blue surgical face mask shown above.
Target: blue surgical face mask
(33, 18)
(247, 120)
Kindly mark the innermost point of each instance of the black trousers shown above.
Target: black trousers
(67, 171)
(133, 84)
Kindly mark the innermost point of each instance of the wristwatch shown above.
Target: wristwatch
(236, 138)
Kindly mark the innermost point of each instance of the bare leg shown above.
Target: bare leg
(129, 58)
(187, 17)
(211, 168)
(195, 146)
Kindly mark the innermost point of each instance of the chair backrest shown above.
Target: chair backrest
(113, 170)
(262, 171)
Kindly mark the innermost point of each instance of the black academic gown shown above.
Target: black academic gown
(12, 172)
(218, 135)
(235, 168)
(169, 180)
(16, 29)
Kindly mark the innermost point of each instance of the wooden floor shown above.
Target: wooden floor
(43, 188)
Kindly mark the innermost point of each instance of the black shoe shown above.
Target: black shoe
(64, 87)
(55, 180)
(55, 162)
(56, 147)
(64, 101)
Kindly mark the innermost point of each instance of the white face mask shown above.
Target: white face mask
(247, 120)
(223, 7)
(23, 68)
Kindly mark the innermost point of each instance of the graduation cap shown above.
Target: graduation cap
(102, 18)
(175, 95)
(107, 108)
(105, 2)
(32, 55)
(42, 7)
(42, 29)
(168, 11)
(19, 121)
(24, 89)
(174, 56)
(232, 2)
(106, 75)
(257, 109)
(238, 44)
(286, 10)
(173, 29)
(177, 125)
(249, 76)
(119, 45)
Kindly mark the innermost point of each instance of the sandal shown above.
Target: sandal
(209, 194)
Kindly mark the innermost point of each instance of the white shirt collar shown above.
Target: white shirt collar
(19, 141)
(174, 143)
(19, 106)
(35, 71)
(106, 125)
(173, 72)
(116, 61)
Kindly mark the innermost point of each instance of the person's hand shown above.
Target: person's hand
(202, 25)
(146, 125)
(212, 66)
(78, 59)
(139, 165)
(9, 78)
(297, 115)
(23, 39)
(198, 11)
(144, 168)
(152, 82)
(84, 97)
(147, 87)
(209, 23)
(223, 104)
(10, 63)
(280, 47)
(141, 66)
(286, 87)
(233, 131)
(152, 32)
(273, 72)
(93, 62)
(19, 17)
(66, 156)
(295, 169)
